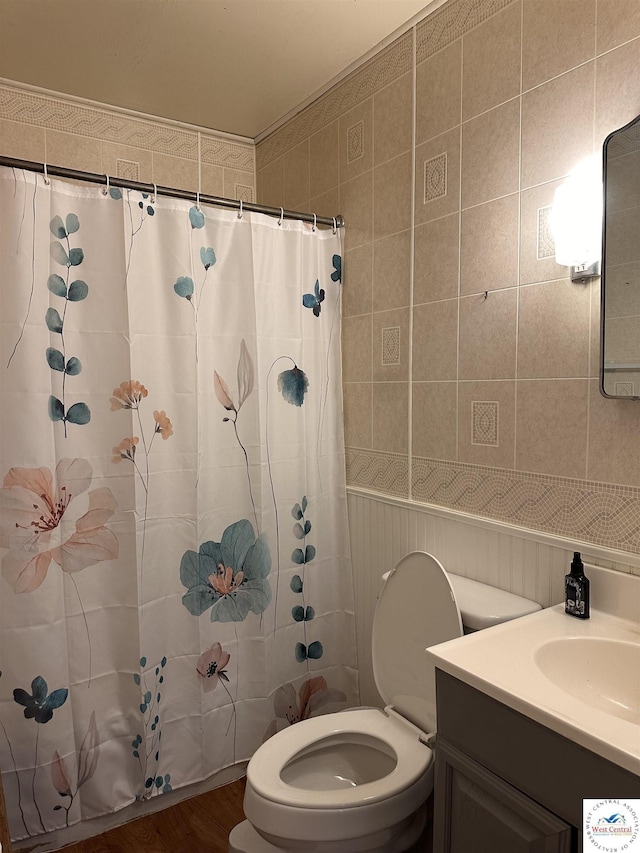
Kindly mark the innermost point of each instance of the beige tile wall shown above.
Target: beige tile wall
(494, 407)
(63, 132)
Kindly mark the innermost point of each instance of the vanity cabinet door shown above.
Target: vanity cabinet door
(477, 812)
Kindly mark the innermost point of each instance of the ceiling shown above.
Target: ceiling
(237, 66)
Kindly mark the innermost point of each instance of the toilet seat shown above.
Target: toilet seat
(392, 735)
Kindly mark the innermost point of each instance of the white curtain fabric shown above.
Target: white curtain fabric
(176, 580)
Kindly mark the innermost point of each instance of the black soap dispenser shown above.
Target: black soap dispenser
(576, 589)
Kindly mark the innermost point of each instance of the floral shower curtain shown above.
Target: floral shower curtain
(176, 581)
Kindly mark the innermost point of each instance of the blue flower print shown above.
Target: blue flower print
(207, 256)
(336, 275)
(314, 300)
(196, 217)
(149, 207)
(39, 706)
(293, 385)
(230, 576)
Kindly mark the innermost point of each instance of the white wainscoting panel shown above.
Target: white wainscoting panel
(521, 561)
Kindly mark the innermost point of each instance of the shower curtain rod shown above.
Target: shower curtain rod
(172, 192)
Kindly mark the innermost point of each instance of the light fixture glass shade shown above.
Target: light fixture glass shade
(576, 217)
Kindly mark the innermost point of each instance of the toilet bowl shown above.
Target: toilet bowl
(355, 778)
(358, 780)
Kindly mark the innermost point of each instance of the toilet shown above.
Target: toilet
(357, 781)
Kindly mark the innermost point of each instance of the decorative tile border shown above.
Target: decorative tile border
(583, 510)
(382, 472)
(604, 514)
(232, 155)
(56, 113)
(451, 21)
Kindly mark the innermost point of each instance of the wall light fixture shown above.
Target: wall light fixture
(576, 220)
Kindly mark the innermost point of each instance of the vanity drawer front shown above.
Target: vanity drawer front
(547, 767)
(477, 812)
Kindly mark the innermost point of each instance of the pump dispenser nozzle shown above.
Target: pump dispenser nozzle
(577, 566)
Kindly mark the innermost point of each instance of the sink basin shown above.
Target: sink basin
(578, 679)
(604, 674)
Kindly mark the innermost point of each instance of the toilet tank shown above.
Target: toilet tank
(482, 606)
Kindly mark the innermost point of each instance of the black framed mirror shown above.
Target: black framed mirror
(620, 285)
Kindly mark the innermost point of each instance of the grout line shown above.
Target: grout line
(490, 200)
(412, 252)
(459, 295)
(373, 255)
(515, 378)
(589, 338)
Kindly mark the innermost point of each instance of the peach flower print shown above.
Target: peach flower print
(125, 450)
(44, 519)
(128, 395)
(163, 424)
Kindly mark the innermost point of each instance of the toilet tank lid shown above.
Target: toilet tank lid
(482, 606)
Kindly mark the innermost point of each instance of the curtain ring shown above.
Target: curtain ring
(281, 216)
(240, 211)
(46, 176)
(335, 224)
(314, 222)
(155, 193)
(105, 191)
(198, 201)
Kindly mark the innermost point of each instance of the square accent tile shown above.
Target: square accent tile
(128, 169)
(391, 345)
(624, 389)
(546, 242)
(243, 192)
(435, 177)
(355, 142)
(484, 422)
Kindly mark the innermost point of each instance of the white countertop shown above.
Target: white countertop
(500, 662)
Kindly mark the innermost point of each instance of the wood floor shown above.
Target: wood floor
(199, 825)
